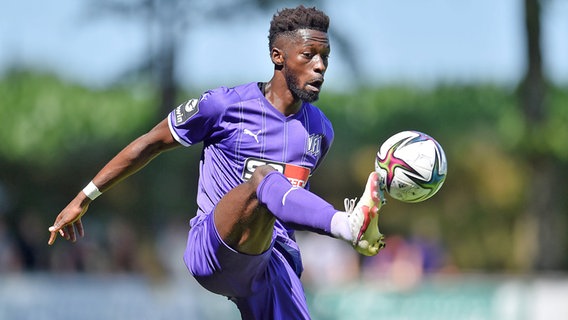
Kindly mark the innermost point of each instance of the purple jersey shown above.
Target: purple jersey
(241, 130)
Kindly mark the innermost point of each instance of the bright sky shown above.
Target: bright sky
(417, 41)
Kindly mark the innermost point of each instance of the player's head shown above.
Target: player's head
(286, 21)
(299, 48)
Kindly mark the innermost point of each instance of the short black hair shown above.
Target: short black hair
(288, 20)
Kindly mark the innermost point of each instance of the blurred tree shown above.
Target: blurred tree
(167, 20)
(543, 196)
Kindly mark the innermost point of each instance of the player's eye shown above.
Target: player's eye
(308, 55)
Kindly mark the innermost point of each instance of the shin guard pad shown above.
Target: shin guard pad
(295, 205)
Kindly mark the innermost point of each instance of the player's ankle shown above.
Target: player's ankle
(340, 227)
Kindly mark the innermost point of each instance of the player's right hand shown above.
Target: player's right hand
(68, 223)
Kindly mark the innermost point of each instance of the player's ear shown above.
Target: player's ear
(277, 56)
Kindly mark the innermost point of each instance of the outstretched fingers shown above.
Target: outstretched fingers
(52, 237)
(80, 229)
(54, 230)
(69, 231)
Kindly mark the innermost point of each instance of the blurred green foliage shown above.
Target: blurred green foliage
(45, 118)
(55, 136)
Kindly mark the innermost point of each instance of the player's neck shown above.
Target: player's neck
(281, 98)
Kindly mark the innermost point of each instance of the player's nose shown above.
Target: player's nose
(320, 65)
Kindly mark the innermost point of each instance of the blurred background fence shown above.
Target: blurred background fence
(117, 297)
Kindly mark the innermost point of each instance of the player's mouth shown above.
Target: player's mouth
(315, 85)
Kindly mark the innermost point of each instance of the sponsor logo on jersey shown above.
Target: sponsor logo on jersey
(186, 110)
(314, 144)
(252, 134)
(297, 175)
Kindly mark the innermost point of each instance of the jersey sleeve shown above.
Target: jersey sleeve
(196, 119)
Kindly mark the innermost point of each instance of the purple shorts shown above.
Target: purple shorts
(264, 286)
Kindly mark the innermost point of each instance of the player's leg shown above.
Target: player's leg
(280, 296)
(241, 221)
(245, 224)
(358, 224)
(245, 216)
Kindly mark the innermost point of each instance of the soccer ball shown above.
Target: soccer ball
(412, 166)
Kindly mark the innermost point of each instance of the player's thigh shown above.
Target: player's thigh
(218, 267)
(242, 222)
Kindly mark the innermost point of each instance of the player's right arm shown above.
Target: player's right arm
(127, 162)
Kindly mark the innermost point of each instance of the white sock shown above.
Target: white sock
(340, 226)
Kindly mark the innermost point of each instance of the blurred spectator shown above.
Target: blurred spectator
(31, 246)
(10, 259)
(122, 242)
(170, 247)
(116, 246)
(327, 262)
(404, 262)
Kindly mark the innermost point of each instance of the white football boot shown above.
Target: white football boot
(364, 217)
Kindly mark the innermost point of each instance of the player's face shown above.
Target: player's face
(306, 59)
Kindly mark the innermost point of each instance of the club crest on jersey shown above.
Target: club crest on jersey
(186, 110)
(314, 144)
(297, 175)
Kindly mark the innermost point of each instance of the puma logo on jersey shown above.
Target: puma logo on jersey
(250, 133)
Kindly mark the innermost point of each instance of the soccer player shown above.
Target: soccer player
(261, 142)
